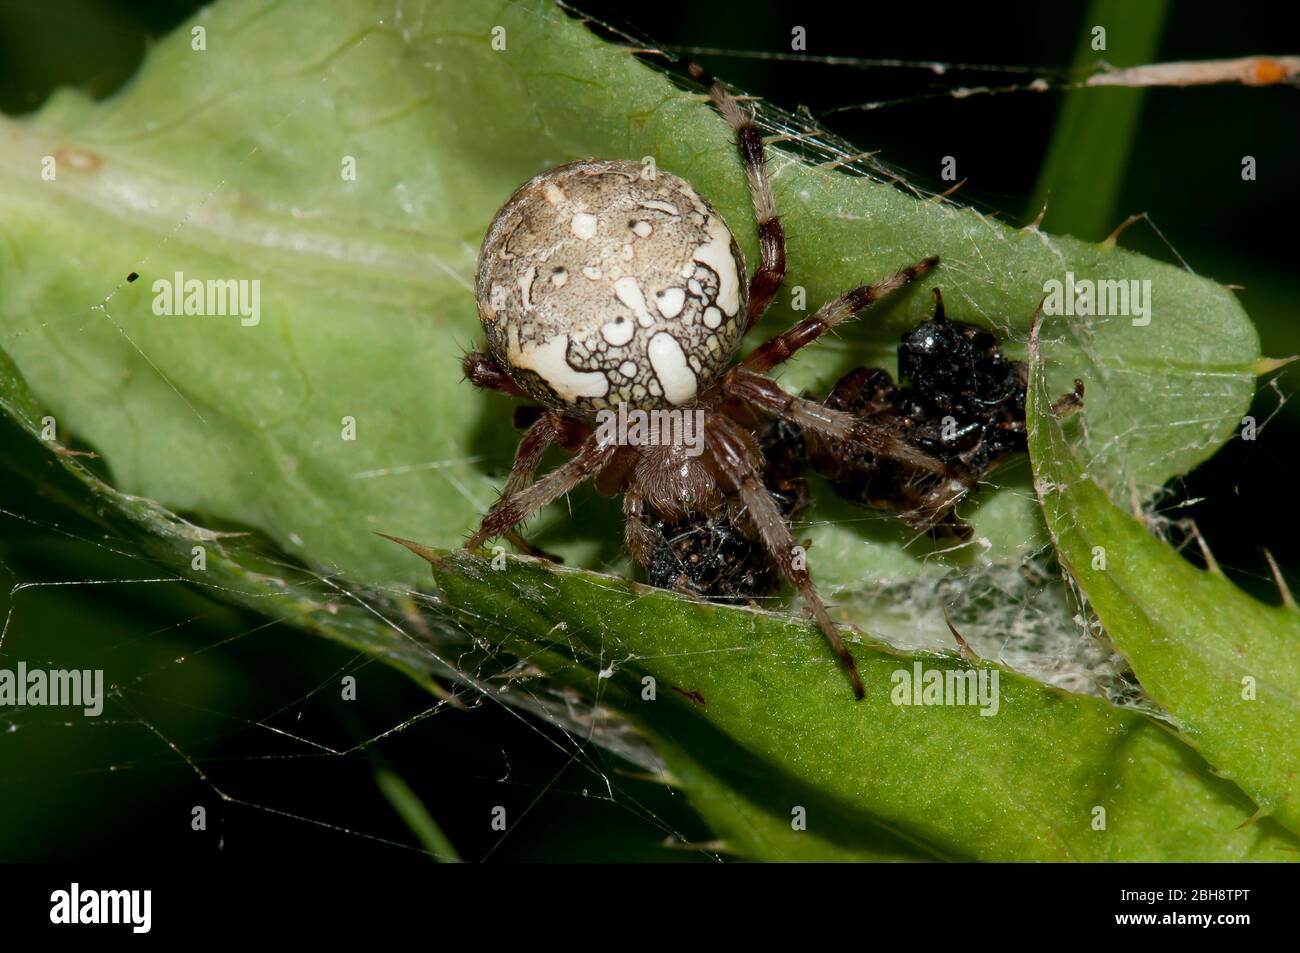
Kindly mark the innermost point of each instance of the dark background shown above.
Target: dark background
(112, 789)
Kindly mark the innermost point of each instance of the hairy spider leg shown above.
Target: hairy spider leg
(734, 453)
(771, 236)
(543, 427)
(511, 510)
(637, 535)
(781, 347)
(766, 395)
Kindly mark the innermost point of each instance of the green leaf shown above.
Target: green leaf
(901, 784)
(227, 162)
(754, 720)
(1226, 667)
(416, 816)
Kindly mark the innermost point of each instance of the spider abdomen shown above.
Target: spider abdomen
(605, 282)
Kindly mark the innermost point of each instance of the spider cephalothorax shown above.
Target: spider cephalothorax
(614, 295)
(958, 398)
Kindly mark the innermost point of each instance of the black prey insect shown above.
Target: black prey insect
(958, 398)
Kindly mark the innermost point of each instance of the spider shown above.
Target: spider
(958, 398)
(609, 286)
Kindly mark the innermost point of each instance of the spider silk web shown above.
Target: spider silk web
(165, 726)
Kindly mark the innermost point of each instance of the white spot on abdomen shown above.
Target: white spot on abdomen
(618, 332)
(583, 225)
(526, 287)
(712, 317)
(549, 362)
(628, 290)
(669, 363)
(671, 301)
(717, 256)
(660, 206)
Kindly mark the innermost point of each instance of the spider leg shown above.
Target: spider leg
(637, 535)
(513, 509)
(544, 431)
(771, 236)
(734, 453)
(780, 347)
(769, 397)
(486, 374)
(550, 426)
(543, 426)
